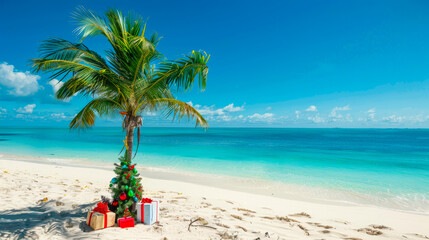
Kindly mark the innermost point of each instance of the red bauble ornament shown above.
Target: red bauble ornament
(128, 175)
(115, 203)
(123, 196)
(131, 167)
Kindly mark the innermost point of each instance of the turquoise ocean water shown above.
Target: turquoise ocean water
(386, 165)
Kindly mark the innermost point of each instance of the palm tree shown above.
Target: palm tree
(126, 81)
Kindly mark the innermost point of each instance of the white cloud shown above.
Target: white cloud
(61, 116)
(297, 113)
(58, 116)
(3, 110)
(312, 108)
(27, 109)
(266, 117)
(55, 85)
(212, 111)
(224, 118)
(231, 108)
(20, 83)
(261, 116)
(316, 119)
(218, 114)
(371, 113)
(268, 109)
(402, 119)
(393, 119)
(334, 111)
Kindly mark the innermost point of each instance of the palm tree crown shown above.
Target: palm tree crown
(127, 79)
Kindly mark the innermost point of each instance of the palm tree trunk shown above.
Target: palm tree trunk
(130, 142)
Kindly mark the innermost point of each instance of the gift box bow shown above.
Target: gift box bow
(146, 200)
(101, 208)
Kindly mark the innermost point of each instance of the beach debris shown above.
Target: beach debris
(222, 225)
(242, 228)
(202, 221)
(370, 231)
(245, 210)
(228, 236)
(248, 214)
(301, 214)
(58, 203)
(267, 217)
(236, 217)
(416, 235)
(324, 231)
(267, 235)
(304, 229)
(287, 219)
(229, 202)
(5, 171)
(220, 209)
(68, 223)
(42, 200)
(320, 225)
(181, 198)
(380, 227)
(343, 222)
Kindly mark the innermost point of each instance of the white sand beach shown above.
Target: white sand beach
(50, 201)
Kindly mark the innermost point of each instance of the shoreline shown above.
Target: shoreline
(69, 186)
(239, 184)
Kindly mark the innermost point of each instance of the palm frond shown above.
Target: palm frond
(182, 73)
(86, 117)
(179, 110)
(91, 25)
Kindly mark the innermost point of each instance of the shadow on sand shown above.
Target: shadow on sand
(47, 218)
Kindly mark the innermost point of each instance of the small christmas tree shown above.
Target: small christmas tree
(126, 188)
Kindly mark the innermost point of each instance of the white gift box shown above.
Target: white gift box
(148, 213)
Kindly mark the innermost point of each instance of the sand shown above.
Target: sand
(50, 201)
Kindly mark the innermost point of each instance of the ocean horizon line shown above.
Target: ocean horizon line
(215, 127)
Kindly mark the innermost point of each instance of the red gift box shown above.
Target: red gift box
(126, 222)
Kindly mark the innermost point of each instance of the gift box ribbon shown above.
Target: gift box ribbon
(101, 208)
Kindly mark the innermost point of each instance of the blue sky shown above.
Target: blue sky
(273, 64)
